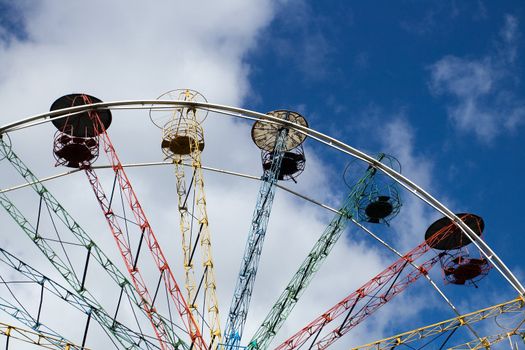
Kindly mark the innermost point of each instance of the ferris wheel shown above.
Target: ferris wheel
(141, 268)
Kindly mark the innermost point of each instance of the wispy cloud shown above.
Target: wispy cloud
(12, 26)
(484, 95)
(435, 13)
(415, 215)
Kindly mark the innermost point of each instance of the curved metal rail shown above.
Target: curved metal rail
(485, 249)
(253, 177)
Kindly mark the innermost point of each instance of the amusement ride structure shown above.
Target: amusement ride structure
(146, 294)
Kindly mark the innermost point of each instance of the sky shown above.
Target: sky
(436, 84)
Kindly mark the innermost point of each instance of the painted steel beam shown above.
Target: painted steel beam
(250, 261)
(370, 288)
(488, 341)
(299, 282)
(512, 306)
(133, 339)
(171, 285)
(35, 338)
(89, 244)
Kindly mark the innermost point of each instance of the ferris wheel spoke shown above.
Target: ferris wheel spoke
(373, 304)
(509, 307)
(367, 292)
(68, 274)
(183, 139)
(243, 290)
(73, 227)
(278, 149)
(488, 341)
(40, 339)
(47, 284)
(188, 246)
(86, 131)
(320, 251)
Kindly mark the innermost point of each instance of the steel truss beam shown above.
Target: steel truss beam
(347, 305)
(185, 219)
(134, 339)
(194, 224)
(512, 306)
(252, 253)
(147, 234)
(203, 238)
(27, 319)
(487, 342)
(66, 272)
(40, 339)
(297, 285)
(78, 232)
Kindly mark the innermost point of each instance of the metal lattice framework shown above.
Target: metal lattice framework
(371, 294)
(250, 261)
(133, 339)
(392, 278)
(31, 337)
(87, 242)
(299, 282)
(183, 138)
(63, 267)
(147, 234)
(512, 306)
(487, 342)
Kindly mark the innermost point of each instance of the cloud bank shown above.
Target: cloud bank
(129, 50)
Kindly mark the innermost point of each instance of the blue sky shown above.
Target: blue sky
(437, 84)
(355, 65)
(451, 73)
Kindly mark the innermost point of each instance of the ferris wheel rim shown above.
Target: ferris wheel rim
(242, 113)
(256, 116)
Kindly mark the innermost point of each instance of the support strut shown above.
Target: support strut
(512, 306)
(170, 283)
(250, 261)
(297, 285)
(369, 289)
(81, 235)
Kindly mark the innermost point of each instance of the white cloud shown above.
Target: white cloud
(415, 215)
(483, 89)
(126, 50)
